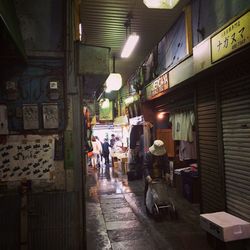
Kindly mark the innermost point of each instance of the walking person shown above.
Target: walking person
(99, 155)
(96, 152)
(112, 140)
(156, 164)
(105, 150)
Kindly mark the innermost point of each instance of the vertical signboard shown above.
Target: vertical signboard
(93, 60)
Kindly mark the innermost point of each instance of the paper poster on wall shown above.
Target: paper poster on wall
(50, 115)
(30, 116)
(30, 157)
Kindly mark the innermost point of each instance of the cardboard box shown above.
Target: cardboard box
(224, 226)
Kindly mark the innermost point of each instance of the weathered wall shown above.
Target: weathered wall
(34, 98)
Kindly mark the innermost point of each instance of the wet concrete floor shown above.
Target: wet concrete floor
(117, 219)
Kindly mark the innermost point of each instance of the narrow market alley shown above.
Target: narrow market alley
(117, 219)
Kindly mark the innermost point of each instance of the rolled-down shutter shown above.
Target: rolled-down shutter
(235, 108)
(210, 169)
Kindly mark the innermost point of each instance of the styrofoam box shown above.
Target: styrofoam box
(225, 226)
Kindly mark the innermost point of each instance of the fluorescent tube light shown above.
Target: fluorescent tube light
(129, 45)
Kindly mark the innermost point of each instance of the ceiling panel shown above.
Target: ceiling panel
(103, 25)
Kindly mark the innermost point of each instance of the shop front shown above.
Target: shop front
(223, 118)
(211, 89)
(172, 113)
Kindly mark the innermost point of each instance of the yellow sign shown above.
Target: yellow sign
(233, 37)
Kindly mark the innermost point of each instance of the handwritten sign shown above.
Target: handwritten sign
(30, 157)
(233, 37)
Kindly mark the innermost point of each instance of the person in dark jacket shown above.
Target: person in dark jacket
(105, 150)
(112, 140)
(156, 164)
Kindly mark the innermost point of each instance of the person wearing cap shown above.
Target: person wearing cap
(156, 164)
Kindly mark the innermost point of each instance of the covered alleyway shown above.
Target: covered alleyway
(117, 219)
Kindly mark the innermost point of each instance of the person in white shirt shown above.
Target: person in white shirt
(99, 155)
(96, 152)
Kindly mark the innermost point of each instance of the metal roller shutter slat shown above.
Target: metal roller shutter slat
(231, 166)
(235, 106)
(230, 149)
(212, 198)
(236, 152)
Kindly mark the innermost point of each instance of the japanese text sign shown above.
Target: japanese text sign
(233, 37)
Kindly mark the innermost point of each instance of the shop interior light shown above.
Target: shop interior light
(129, 100)
(129, 45)
(160, 4)
(161, 115)
(80, 31)
(114, 81)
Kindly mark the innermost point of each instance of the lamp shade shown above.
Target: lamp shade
(107, 90)
(160, 4)
(114, 81)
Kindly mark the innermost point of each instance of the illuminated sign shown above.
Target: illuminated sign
(233, 37)
(106, 113)
(158, 87)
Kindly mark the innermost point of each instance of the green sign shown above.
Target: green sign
(106, 113)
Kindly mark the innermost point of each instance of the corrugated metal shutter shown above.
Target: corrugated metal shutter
(235, 108)
(53, 221)
(210, 170)
(10, 222)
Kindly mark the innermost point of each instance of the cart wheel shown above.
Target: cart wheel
(173, 212)
(156, 213)
(148, 212)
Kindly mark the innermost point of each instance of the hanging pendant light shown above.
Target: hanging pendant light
(114, 80)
